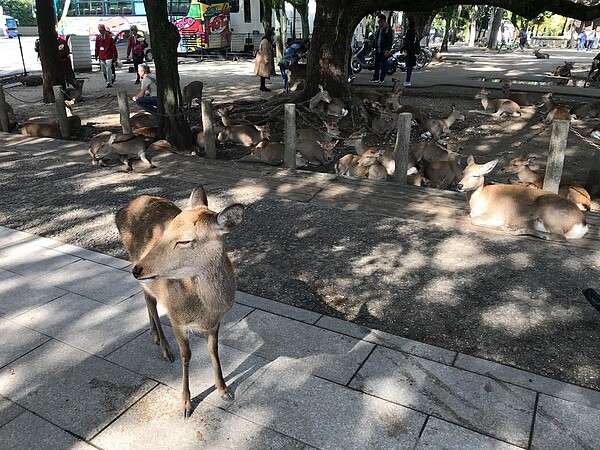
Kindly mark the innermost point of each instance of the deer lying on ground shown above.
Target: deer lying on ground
(125, 147)
(517, 209)
(180, 259)
(499, 106)
(48, 130)
(440, 127)
(143, 119)
(443, 174)
(317, 153)
(431, 151)
(529, 178)
(555, 112)
(595, 133)
(539, 55)
(271, 153)
(365, 166)
(385, 124)
(31, 80)
(331, 106)
(595, 67)
(520, 98)
(246, 135)
(585, 110)
(392, 101)
(223, 113)
(564, 70)
(191, 92)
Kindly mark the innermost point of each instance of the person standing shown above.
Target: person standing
(65, 62)
(291, 56)
(522, 40)
(147, 98)
(263, 64)
(409, 47)
(106, 52)
(135, 48)
(384, 38)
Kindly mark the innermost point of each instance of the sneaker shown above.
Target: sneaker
(136, 82)
(108, 85)
(407, 84)
(374, 80)
(381, 81)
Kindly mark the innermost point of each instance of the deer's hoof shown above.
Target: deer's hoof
(168, 355)
(227, 396)
(187, 413)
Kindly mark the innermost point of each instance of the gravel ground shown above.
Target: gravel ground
(516, 301)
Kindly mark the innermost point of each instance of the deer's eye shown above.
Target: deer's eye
(184, 244)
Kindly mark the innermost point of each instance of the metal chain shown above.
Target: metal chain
(583, 138)
(19, 99)
(533, 136)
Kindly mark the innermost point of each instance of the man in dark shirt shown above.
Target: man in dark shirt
(384, 38)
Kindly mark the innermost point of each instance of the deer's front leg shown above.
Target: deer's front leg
(186, 354)
(212, 341)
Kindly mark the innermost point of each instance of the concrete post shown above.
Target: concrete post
(61, 112)
(208, 124)
(124, 112)
(289, 157)
(556, 155)
(402, 147)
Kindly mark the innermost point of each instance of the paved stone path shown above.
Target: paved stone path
(78, 369)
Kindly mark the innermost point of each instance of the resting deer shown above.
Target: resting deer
(143, 119)
(331, 106)
(125, 147)
(271, 153)
(223, 113)
(431, 151)
(443, 174)
(564, 70)
(555, 112)
(364, 166)
(392, 101)
(585, 110)
(520, 166)
(440, 127)
(517, 209)
(180, 259)
(520, 98)
(539, 55)
(498, 105)
(247, 135)
(191, 92)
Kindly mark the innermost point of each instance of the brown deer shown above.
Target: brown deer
(555, 112)
(392, 101)
(520, 98)
(540, 55)
(107, 145)
(365, 166)
(246, 135)
(271, 153)
(143, 119)
(499, 106)
(527, 177)
(331, 106)
(518, 209)
(585, 111)
(180, 259)
(440, 127)
(564, 70)
(191, 92)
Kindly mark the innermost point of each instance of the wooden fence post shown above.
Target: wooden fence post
(402, 147)
(556, 155)
(208, 124)
(61, 112)
(124, 112)
(3, 112)
(593, 181)
(289, 157)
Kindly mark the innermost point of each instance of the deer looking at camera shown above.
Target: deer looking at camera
(518, 209)
(181, 261)
(527, 177)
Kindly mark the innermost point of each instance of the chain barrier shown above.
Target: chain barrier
(533, 136)
(584, 139)
(19, 99)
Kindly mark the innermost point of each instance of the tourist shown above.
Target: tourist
(106, 52)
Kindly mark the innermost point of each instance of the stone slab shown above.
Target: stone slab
(145, 358)
(16, 340)
(19, 294)
(9, 236)
(324, 414)
(562, 424)
(529, 380)
(86, 324)
(387, 340)
(8, 411)
(96, 281)
(76, 391)
(281, 309)
(90, 255)
(321, 352)
(29, 259)
(473, 401)
(151, 422)
(439, 434)
(30, 432)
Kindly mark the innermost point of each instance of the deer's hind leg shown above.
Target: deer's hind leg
(156, 331)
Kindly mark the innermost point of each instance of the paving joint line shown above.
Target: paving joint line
(532, 428)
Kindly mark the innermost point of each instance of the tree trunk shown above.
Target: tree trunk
(449, 15)
(172, 123)
(305, 24)
(473, 27)
(51, 70)
(498, 14)
(267, 20)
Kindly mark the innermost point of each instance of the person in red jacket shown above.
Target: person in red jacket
(106, 52)
(135, 47)
(65, 62)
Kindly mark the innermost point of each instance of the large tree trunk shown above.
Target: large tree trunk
(473, 27)
(51, 70)
(173, 125)
(267, 20)
(448, 17)
(498, 14)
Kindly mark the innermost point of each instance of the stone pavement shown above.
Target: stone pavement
(78, 370)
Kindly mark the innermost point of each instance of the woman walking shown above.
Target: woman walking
(409, 48)
(263, 64)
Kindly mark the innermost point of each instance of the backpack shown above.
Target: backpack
(138, 50)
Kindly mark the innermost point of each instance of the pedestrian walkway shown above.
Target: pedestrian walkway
(78, 369)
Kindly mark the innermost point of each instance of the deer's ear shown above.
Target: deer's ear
(230, 217)
(471, 160)
(198, 197)
(489, 166)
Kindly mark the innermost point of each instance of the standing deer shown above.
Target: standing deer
(191, 92)
(181, 261)
(518, 209)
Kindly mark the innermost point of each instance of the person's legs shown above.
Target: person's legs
(383, 67)
(263, 86)
(103, 69)
(284, 76)
(150, 104)
(106, 67)
(70, 77)
(378, 56)
(136, 63)
(409, 69)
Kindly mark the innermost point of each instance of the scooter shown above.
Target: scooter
(364, 59)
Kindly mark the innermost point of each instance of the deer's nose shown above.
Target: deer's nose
(137, 271)
(459, 187)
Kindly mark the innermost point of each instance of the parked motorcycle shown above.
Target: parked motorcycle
(364, 58)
